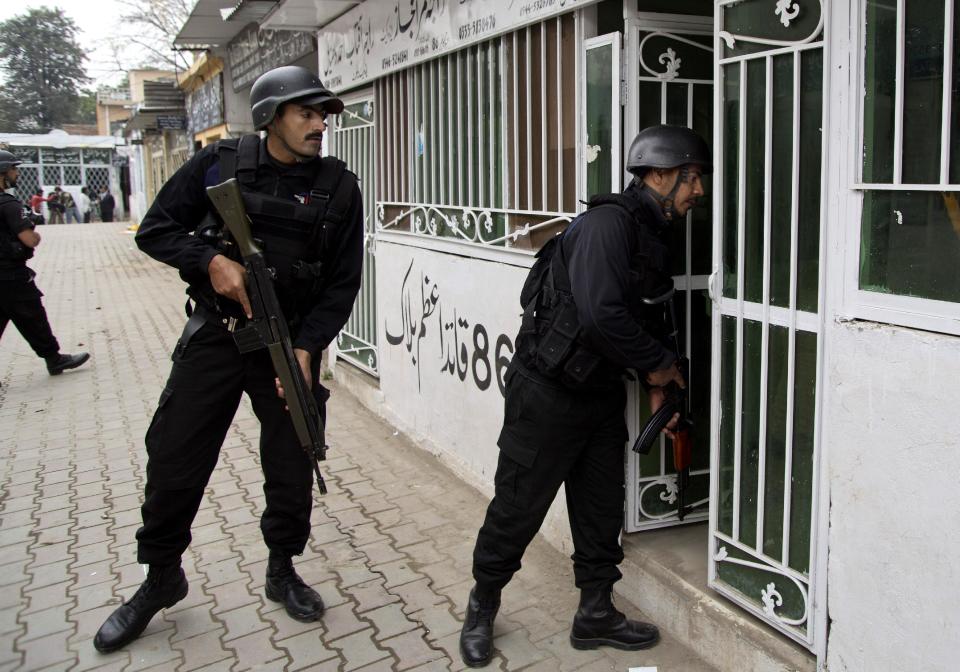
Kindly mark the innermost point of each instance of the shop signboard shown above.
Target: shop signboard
(255, 51)
(376, 38)
(205, 105)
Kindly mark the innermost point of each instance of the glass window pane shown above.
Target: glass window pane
(781, 180)
(649, 97)
(801, 473)
(677, 105)
(922, 91)
(702, 242)
(599, 119)
(811, 142)
(728, 392)
(700, 356)
(750, 431)
(910, 244)
(731, 142)
(777, 367)
(879, 91)
(755, 173)
(663, 54)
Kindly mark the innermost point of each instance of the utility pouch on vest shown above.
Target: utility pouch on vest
(559, 338)
(581, 366)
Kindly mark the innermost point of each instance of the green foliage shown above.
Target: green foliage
(42, 65)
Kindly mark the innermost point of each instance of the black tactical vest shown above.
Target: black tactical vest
(12, 251)
(550, 334)
(297, 239)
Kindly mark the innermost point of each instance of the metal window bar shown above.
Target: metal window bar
(515, 69)
(947, 110)
(741, 227)
(434, 154)
(792, 303)
(482, 129)
(898, 96)
(765, 324)
(529, 117)
(492, 88)
(543, 116)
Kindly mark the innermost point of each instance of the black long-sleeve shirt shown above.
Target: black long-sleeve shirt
(599, 250)
(166, 234)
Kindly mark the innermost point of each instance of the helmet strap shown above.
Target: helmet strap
(666, 202)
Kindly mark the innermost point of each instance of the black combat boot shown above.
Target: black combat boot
(57, 364)
(283, 585)
(164, 587)
(476, 637)
(599, 623)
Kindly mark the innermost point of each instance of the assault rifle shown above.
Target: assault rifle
(676, 401)
(268, 327)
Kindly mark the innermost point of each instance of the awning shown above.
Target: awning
(207, 26)
(60, 140)
(305, 14)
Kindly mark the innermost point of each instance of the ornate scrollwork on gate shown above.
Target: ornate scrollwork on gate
(669, 57)
(787, 10)
(770, 596)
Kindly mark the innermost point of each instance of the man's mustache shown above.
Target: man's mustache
(314, 136)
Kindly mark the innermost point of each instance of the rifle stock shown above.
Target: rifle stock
(268, 327)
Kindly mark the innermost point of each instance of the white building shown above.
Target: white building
(820, 282)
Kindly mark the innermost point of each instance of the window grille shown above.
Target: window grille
(51, 175)
(910, 165)
(72, 175)
(28, 182)
(480, 145)
(96, 179)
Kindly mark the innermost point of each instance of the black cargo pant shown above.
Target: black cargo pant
(183, 442)
(551, 436)
(20, 303)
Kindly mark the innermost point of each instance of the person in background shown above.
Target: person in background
(70, 210)
(84, 200)
(36, 206)
(19, 295)
(55, 204)
(107, 204)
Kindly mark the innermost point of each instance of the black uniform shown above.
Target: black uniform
(557, 431)
(209, 374)
(19, 296)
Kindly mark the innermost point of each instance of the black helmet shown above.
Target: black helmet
(668, 147)
(286, 84)
(8, 161)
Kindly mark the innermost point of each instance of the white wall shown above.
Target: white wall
(456, 415)
(893, 439)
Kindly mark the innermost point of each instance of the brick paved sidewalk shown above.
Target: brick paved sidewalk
(391, 544)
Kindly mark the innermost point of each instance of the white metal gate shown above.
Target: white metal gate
(767, 318)
(669, 79)
(352, 140)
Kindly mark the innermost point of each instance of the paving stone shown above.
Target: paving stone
(340, 621)
(306, 649)
(412, 649)
(202, 650)
(241, 622)
(194, 621)
(255, 650)
(153, 649)
(370, 595)
(45, 651)
(358, 650)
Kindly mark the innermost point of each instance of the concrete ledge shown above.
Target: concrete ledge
(665, 576)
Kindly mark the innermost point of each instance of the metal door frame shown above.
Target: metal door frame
(815, 635)
(362, 321)
(669, 25)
